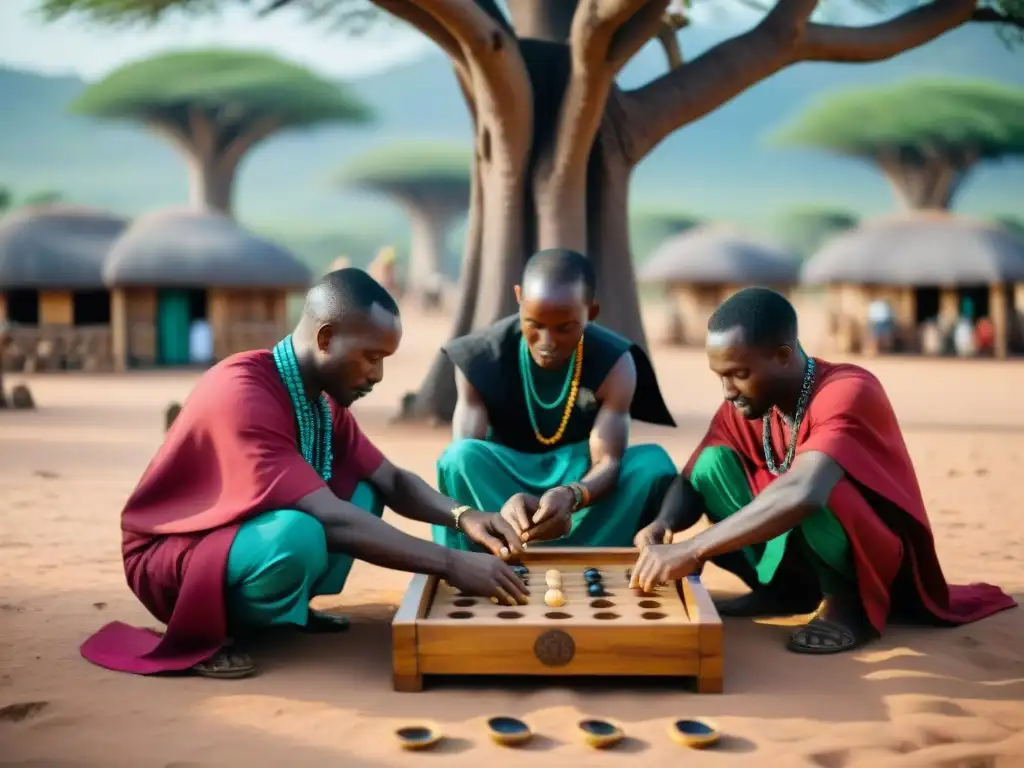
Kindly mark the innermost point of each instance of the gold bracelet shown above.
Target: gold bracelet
(458, 512)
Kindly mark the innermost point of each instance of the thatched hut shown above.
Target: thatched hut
(924, 264)
(701, 267)
(175, 269)
(52, 296)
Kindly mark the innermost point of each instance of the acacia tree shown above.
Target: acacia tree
(215, 106)
(431, 182)
(556, 137)
(924, 135)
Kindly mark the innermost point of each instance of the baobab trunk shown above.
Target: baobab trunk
(522, 205)
(211, 183)
(926, 182)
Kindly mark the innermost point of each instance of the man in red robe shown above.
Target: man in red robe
(265, 490)
(808, 484)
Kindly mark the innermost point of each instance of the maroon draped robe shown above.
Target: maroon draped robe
(231, 454)
(851, 420)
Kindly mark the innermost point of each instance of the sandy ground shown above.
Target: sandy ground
(919, 697)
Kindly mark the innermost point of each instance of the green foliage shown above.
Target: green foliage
(407, 162)
(650, 226)
(6, 199)
(236, 86)
(1014, 224)
(437, 172)
(804, 230)
(915, 117)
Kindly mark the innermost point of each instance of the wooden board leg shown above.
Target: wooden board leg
(408, 683)
(709, 676)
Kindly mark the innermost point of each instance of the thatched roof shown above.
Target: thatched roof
(56, 247)
(926, 248)
(719, 254)
(199, 249)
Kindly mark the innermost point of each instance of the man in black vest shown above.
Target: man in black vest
(541, 427)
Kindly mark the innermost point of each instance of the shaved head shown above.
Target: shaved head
(349, 325)
(556, 301)
(346, 294)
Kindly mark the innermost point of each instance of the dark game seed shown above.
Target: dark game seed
(596, 589)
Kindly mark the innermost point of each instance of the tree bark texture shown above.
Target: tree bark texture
(213, 152)
(557, 140)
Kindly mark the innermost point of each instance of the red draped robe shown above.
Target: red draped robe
(231, 455)
(851, 420)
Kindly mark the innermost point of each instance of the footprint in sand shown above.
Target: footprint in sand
(15, 713)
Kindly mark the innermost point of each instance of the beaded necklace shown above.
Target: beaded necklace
(794, 427)
(314, 423)
(570, 388)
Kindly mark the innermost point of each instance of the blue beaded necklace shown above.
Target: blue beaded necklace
(314, 423)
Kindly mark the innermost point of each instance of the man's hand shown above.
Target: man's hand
(661, 563)
(517, 512)
(655, 533)
(553, 517)
(492, 532)
(483, 575)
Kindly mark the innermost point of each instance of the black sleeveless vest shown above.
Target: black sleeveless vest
(489, 359)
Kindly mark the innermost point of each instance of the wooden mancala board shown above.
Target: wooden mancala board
(674, 631)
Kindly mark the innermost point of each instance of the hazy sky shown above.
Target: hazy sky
(73, 46)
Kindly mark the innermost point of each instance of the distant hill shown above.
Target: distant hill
(719, 166)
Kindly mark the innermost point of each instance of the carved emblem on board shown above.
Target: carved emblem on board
(554, 648)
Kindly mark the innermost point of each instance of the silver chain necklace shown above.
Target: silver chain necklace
(801, 410)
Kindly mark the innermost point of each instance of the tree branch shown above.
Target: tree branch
(669, 39)
(637, 31)
(595, 27)
(411, 14)
(878, 42)
(782, 38)
(488, 64)
(260, 130)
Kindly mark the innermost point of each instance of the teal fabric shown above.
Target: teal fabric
(279, 561)
(485, 475)
(719, 478)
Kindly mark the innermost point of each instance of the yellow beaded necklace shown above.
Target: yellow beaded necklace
(574, 388)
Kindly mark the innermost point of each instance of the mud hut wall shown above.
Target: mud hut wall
(3, 307)
(56, 308)
(243, 319)
(133, 327)
(694, 303)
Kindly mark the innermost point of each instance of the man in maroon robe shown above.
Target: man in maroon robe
(233, 528)
(811, 492)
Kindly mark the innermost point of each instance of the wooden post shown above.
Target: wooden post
(998, 314)
(119, 329)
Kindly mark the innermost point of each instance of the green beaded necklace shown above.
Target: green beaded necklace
(314, 424)
(530, 389)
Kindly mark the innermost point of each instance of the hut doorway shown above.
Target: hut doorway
(22, 307)
(979, 297)
(176, 310)
(90, 308)
(926, 304)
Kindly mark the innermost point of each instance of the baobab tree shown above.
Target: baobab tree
(430, 180)
(556, 137)
(215, 106)
(925, 135)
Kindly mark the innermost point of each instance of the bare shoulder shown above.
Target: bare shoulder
(465, 390)
(619, 385)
